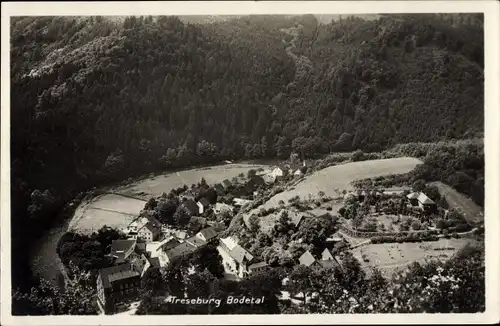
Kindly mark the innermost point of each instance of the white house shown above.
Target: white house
(203, 205)
(298, 173)
(235, 258)
(269, 178)
(277, 172)
(221, 207)
(241, 202)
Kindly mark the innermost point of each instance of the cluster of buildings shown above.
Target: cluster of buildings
(326, 260)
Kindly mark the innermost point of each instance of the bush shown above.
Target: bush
(328, 208)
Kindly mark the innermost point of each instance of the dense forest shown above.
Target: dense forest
(95, 100)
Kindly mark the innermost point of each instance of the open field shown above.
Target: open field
(473, 213)
(389, 257)
(155, 186)
(334, 179)
(112, 210)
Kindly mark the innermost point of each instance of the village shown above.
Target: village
(199, 216)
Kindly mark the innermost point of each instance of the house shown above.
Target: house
(421, 200)
(278, 172)
(207, 234)
(336, 237)
(226, 183)
(298, 173)
(307, 259)
(254, 183)
(219, 189)
(221, 207)
(203, 205)
(191, 206)
(239, 202)
(269, 178)
(150, 232)
(326, 255)
(258, 267)
(181, 235)
(180, 250)
(117, 285)
(196, 222)
(196, 242)
(234, 256)
(169, 244)
(122, 249)
(218, 226)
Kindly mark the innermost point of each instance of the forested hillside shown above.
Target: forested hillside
(95, 100)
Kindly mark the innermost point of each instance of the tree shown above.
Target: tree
(300, 281)
(251, 173)
(181, 216)
(418, 185)
(151, 204)
(254, 224)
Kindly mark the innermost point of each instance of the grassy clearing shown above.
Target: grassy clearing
(472, 212)
(389, 257)
(155, 186)
(111, 210)
(333, 180)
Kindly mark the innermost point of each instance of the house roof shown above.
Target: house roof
(198, 219)
(170, 244)
(257, 265)
(209, 233)
(269, 178)
(326, 255)
(422, 198)
(229, 242)
(257, 179)
(196, 242)
(155, 262)
(182, 249)
(307, 259)
(222, 206)
(239, 254)
(240, 201)
(180, 234)
(226, 183)
(204, 202)
(218, 186)
(140, 246)
(413, 195)
(152, 227)
(116, 273)
(119, 248)
(191, 206)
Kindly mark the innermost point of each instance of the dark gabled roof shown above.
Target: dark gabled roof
(218, 186)
(204, 202)
(115, 273)
(196, 242)
(257, 265)
(191, 206)
(152, 227)
(182, 249)
(209, 233)
(140, 247)
(122, 245)
(170, 244)
(307, 259)
(256, 179)
(155, 262)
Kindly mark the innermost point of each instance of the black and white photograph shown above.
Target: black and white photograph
(266, 163)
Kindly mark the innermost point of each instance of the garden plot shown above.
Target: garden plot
(333, 180)
(389, 257)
